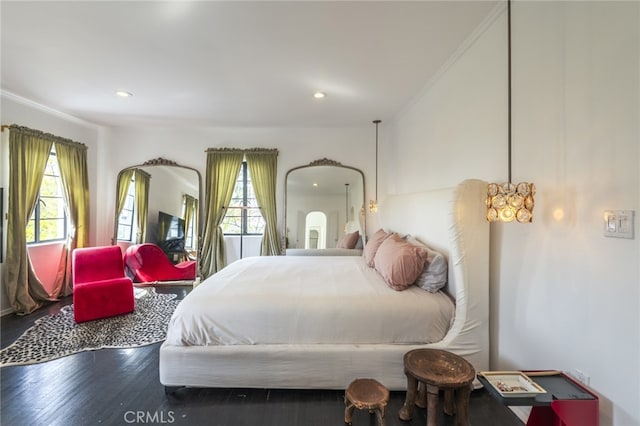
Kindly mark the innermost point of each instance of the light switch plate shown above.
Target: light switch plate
(619, 223)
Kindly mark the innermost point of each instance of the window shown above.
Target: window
(243, 214)
(125, 220)
(49, 219)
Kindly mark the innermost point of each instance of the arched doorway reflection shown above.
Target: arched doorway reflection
(315, 230)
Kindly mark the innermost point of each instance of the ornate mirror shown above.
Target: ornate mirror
(159, 202)
(323, 201)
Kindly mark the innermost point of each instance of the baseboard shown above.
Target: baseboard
(6, 311)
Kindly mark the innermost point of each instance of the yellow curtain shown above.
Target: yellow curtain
(190, 216)
(123, 188)
(223, 166)
(263, 164)
(72, 160)
(142, 204)
(28, 154)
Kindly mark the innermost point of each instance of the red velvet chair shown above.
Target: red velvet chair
(100, 287)
(148, 263)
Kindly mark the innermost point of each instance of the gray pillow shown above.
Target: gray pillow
(434, 274)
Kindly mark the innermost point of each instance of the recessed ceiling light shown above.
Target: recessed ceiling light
(315, 184)
(319, 95)
(124, 94)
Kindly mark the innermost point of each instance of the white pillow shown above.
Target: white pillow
(434, 274)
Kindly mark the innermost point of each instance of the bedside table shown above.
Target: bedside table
(565, 402)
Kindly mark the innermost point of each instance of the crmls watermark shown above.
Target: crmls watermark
(142, 417)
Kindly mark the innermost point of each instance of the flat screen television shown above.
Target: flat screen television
(170, 232)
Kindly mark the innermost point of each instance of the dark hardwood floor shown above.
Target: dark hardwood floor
(121, 386)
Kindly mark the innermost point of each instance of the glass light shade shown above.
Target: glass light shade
(373, 206)
(507, 202)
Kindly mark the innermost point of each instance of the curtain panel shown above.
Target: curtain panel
(263, 167)
(124, 180)
(72, 161)
(141, 179)
(28, 154)
(223, 166)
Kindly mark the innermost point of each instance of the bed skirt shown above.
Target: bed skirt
(291, 366)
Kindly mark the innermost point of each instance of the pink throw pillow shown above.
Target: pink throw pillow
(399, 262)
(348, 241)
(370, 249)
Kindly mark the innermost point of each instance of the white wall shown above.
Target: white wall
(563, 296)
(297, 146)
(24, 113)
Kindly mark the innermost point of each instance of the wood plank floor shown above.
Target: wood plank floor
(121, 386)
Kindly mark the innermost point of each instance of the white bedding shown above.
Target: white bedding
(306, 300)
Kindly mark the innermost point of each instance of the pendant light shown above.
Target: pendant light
(346, 202)
(373, 204)
(508, 201)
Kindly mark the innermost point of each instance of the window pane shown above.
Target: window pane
(124, 232)
(255, 222)
(128, 203)
(31, 230)
(252, 202)
(235, 202)
(51, 229)
(250, 191)
(232, 223)
(125, 220)
(52, 164)
(49, 220)
(51, 208)
(50, 187)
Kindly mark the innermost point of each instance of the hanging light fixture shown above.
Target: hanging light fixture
(508, 201)
(373, 204)
(346, 206)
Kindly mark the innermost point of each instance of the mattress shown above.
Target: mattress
(306, 300)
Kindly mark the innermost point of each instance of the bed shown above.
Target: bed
(326, 346)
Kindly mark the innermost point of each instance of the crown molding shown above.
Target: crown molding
(47, 110)
(486, 23)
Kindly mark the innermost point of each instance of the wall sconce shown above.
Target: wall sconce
(373, 204)
(507, 202)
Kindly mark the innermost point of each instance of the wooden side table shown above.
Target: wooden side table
(366, 394)
(438, 370)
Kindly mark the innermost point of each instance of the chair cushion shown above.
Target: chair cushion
(97, 264)
(102, 299)
(148, 263)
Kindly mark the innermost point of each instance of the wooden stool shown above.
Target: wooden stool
(435, 369)
(366, 394)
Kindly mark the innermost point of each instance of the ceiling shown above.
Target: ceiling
(236, 63)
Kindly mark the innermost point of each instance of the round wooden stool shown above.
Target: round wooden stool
(435, 369)
(366, 394)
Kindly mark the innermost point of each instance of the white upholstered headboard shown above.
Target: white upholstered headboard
(453, 221)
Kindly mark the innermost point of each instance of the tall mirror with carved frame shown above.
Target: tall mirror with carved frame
(324, 209)
(157, 221)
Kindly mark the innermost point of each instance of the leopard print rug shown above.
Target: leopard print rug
(58, 335)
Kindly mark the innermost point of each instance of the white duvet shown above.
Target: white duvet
(306, 300)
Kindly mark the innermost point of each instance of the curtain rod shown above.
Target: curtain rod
(39, 133)
(244, 150)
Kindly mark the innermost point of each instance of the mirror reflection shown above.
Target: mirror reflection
(324, 202)
(157, 220)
